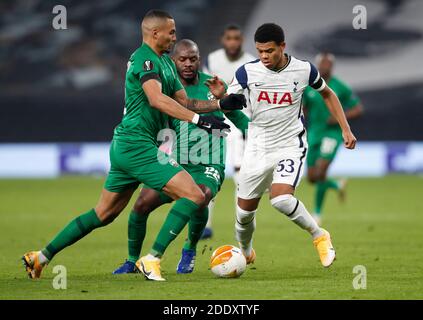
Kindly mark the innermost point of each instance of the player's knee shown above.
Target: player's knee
(106, 216)
(311, 177)
(198, 197)
(142, 207)
(208, 196)
(285, 203)
(244, 217)
(321, 176)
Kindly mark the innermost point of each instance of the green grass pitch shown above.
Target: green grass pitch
(380, 227)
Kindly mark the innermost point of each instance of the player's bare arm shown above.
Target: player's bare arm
(229, 102)
(200, 106)
(165, 104)
(158, 100)
(335, 108)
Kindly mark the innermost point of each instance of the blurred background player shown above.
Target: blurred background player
(323, 132)
(208, 174)
(223, 63)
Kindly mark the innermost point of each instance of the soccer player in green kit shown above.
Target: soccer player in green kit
(324, 134)
(208, 173)
(153, 92)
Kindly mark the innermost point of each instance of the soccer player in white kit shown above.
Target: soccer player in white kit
(223, 63)
(276, 146)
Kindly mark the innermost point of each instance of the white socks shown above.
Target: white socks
(150, 257)
(211, 207)
(42, 258)
(244, 227)
(295, 210)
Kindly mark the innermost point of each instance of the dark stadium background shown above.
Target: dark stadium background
(46, 98)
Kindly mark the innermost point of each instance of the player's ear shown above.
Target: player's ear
(282, 45)
(155, 33)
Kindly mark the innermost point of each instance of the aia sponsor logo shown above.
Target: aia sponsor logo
(284, 98)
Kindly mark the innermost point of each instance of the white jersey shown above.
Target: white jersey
(217, 63)
(275, 98)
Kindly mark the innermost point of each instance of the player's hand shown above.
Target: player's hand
(216, 86)
(233, 101)
(349, 139)
(213, 124)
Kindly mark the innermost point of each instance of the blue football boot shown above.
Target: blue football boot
(207, 233)
(127, 267)
(186, 264)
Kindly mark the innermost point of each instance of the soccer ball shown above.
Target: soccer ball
(228, 262)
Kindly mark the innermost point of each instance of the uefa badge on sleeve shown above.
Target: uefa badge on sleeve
(148, 65)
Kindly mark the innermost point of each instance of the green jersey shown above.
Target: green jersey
(194, 145)
(142, 122)
(318, 114)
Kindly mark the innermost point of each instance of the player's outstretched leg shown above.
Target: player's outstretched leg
(148, 200)
(196, 227)
(295, 210)
(108, 208)
(190, 199)
(245, 225)
(189, 251)
(208, 231)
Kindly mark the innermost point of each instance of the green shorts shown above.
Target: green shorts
(325, 148)
(211, 176)
(133, 163)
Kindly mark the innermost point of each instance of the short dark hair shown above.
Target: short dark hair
(231, 27)
(269, 32)
(156, 13)
(184, 43)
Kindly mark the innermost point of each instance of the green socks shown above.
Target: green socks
(137, 227)
(322, 188)
(75, 230)
(195, 228)
(178, 217)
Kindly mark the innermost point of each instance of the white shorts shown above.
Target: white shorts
(259, 170)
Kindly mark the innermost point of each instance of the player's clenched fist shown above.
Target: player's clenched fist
(349, 139)
(233, 101)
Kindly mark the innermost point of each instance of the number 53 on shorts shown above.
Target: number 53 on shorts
(289, 170)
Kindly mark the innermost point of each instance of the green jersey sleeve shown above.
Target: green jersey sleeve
(239, 119)
(146, 68)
